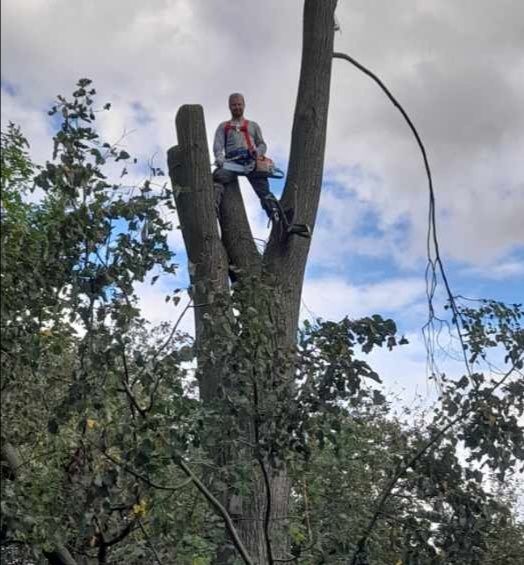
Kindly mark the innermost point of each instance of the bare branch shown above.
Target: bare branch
(432, 228)
(139, 476)
(149, 542)
(220, 509)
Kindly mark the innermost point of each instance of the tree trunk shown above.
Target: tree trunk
(281, 268)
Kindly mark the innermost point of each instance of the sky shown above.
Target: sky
(457, 67)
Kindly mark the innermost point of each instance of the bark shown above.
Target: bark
(195, 201)
(11, 460)
(59, 556)
(236, 233)
(306, 162)
(284, 262)
(282, 266)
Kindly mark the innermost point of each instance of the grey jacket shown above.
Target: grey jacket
(237, 140)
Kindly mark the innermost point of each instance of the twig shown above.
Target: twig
(149, 542)
(157, 353)
(139, 476)
(175, 327)
(267, 514)
(128, 391)
(306, 510)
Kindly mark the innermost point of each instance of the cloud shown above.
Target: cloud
(457, 68)
(153, 305)
(500, 271)
(334, 298)
(34, 120)
(453, 67)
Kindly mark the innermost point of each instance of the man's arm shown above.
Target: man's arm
(219, 149)
(260, 144)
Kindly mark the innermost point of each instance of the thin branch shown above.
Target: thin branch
(169, 338)
(128, 391)
(267, 485)
(133, 400)
(157, 353)
(150, 543)
(267, 515)
(121, 535)
(220, 509)
(141, 477)
(386, 493)
(306, 510)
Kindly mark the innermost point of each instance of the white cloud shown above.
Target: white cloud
(500, 271)
(152, 302)
(457, 67)
(334, 298)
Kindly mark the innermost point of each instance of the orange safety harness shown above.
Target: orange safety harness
(244, 161)
(243, 129)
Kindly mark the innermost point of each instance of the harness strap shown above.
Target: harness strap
(243, 128)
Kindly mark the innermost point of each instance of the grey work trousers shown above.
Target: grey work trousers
(259, 183)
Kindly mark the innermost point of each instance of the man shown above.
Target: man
(239, 138)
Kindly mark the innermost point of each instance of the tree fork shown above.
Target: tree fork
(283, 263)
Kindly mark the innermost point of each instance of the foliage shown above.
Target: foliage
(102, 412)
(70, 261)
(436, 513)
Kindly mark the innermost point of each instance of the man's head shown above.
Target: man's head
(236, 105)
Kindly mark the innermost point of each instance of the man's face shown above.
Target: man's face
(236, 105)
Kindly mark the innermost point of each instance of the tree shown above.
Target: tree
(108, 453)
(68, 269)
(246, 327)
(281, 268)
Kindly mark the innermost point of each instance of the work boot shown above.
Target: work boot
(271, 208)
(303, 230)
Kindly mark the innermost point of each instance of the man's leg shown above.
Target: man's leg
(274, 210)
(261, 186)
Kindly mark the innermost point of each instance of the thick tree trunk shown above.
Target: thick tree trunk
(281, 268)
(287, 263)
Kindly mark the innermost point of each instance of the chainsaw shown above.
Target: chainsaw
(243, 163)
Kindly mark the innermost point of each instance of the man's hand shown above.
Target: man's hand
(253, 153)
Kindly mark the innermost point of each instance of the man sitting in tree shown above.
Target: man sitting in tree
(239, 138)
